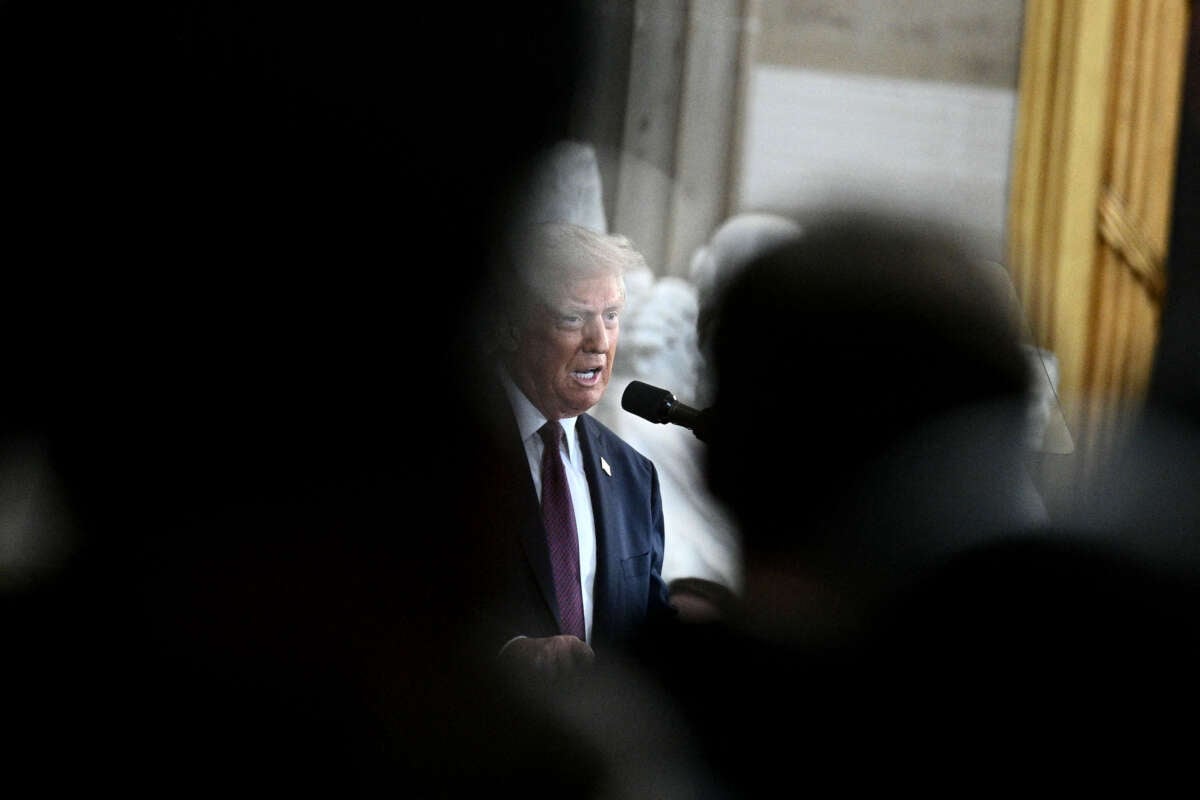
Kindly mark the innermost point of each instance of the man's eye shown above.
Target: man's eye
(612, 316)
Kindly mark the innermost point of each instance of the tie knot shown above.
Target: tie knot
(552, 434)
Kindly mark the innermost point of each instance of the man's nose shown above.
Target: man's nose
(596, 336)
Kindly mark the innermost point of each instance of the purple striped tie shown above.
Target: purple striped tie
(561, 534)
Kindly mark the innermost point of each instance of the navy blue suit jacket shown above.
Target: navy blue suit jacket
(629, 589)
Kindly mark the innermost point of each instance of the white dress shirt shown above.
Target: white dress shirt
(529, 421)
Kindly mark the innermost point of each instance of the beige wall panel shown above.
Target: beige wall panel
(644, 188)
(711, 71)
(961, 41)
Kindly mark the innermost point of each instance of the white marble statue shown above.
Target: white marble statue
(564, 186)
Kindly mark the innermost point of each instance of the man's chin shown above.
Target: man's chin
(581, 401)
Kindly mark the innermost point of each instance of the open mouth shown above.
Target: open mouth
(587, 376)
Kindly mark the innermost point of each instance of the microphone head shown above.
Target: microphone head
(648, 402)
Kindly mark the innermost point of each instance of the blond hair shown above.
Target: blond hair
(549, 255)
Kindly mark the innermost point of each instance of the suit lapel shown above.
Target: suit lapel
(602, 487)
(531, 531)
(533, 539)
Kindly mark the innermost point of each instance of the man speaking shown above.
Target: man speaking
(575, 530)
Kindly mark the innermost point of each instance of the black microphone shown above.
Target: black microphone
(660, 406)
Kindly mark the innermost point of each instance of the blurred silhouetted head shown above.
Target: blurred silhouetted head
(865, 376)
(732, 245)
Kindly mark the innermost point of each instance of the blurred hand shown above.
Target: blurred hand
(552, 658)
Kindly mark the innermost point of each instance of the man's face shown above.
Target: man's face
(565, 352)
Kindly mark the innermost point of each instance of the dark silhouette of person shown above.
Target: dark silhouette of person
(222, 394)
(867, 435)
(869, 389)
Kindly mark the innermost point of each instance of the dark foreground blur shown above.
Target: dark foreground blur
(240, 239)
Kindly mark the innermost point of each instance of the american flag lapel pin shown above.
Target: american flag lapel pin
(604, 466)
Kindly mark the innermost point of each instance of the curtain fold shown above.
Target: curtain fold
(1090, 202)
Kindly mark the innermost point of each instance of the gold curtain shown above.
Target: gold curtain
(1090, 205)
